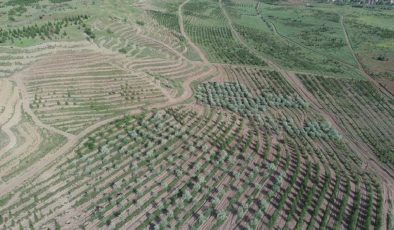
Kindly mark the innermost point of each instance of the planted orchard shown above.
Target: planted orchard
(174, 167)
(91, 92)
(364, 113)
(237, 98)
(206, 25)
(50, 30)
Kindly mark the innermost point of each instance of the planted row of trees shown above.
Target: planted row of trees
(364, 112)
(169, 20)
(174, 168)
(315, 129)
(206, 25)
(237, 98)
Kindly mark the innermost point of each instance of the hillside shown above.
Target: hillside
(196, 114)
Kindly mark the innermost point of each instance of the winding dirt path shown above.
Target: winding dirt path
(187, 86)
(15, 119)
(18, 79)
(10, 114)
(31, 140)
(73, 140)
(376, 84)
(297, 84)
(200, 53)
(46, 163)
(321, 53)
(359, 147)
(240, 39)
(363, 151)
(371, 160)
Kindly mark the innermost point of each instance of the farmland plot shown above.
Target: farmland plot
(85, 88)
(180, 167)
(14, 59)
(22, 142)
(362, 111)
(207, 27)
(195, 114)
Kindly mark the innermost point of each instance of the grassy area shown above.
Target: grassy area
(371, 35)
(297, 37)
(312, 28)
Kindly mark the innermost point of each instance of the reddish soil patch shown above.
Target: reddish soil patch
(387, 83)
(372, 64)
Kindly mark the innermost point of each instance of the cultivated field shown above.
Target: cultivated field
(196, 114)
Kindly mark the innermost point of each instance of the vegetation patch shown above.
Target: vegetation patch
(367, 114)
(46, 31)
(206, 25)
(237, 98)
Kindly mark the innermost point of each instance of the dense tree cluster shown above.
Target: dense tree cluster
(315, 129)
(237, 98)
(22, 2)
(30, 2)
(44, 31)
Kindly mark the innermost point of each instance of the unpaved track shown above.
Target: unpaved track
(72, 140)
(321, 53)
(187, 87)
(11, 114)
(385, 173)
(240, 39)
(363, 151)
(43, 164)
(18, 78)
(355, 145)
(360, 66)
(294, 81)
(31, 143)
(46, 163)
(200, 53)
(15, 119)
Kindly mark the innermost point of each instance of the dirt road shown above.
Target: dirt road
(18, 79)
(200, 53)
(360, 148)
(73, 140)
(360, 66)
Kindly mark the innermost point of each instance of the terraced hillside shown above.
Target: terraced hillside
(195, 114)
(22, 142)
(14, 59)
(71, 100)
